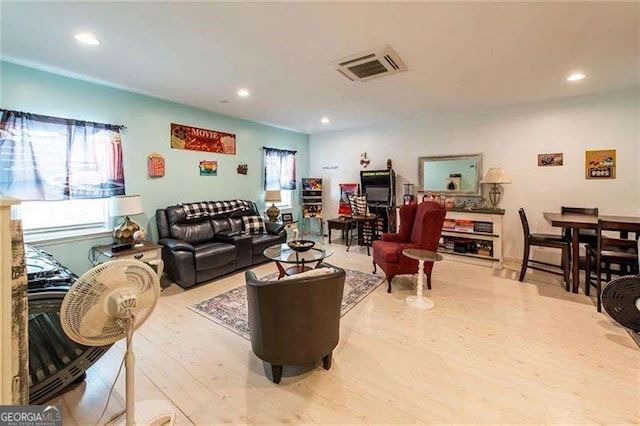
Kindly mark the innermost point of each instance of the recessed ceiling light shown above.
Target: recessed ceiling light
(325, 120)
(87, 38)
(243, 93)
(576, 76)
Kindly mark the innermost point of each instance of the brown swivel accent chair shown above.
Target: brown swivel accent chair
(295, 321)
(611, 251)
(544, 240)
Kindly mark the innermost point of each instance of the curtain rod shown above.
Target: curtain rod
(278, 149)
(118, 126)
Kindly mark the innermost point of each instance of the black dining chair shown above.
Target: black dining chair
(544, 240)
(609, 252)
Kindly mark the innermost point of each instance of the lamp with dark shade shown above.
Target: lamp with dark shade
(273, 212)
(125, 205)
(495, 176)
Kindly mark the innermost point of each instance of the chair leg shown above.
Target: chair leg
(326, 361)
(566, 267)
(276, 372)
(429, 281)
(389, 281)
(525, 260)
(598, 283)
(374, 266)
(587, 275)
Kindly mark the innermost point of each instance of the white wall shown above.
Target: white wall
(511, 138)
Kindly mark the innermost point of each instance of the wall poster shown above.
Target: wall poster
(347, 190)
(196, 139)
(555, 159)
(600, 164)
(208, 168)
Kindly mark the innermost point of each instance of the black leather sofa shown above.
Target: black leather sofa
(200, 249)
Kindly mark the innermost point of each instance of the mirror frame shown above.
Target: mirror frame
(478, 157)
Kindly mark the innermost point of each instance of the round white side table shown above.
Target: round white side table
(418, 301)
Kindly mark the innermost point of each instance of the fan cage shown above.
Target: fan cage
(93, 289)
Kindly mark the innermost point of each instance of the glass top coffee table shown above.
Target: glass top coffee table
(300, 261)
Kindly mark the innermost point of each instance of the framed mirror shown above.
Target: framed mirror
(452, 174)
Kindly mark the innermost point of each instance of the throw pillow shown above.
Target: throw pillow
(254, 225)
(312, 273)
(358, 205)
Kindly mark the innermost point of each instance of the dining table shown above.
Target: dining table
(576, 222)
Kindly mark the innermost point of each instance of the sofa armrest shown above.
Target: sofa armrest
(393, 238)
(174, 244)
(273, 227)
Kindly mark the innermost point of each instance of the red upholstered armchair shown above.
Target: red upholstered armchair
(420, 227)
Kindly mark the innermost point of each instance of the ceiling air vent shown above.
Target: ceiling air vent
(373, 63)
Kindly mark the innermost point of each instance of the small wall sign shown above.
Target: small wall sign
(242, 169)
(155, 165)
(546, 160)
(600, 164)
(208, 168)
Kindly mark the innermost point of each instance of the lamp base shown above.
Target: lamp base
(123, 233)
(495, 196)
(273, 212)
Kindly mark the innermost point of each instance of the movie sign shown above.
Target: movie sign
(196, 139)
(600, 164)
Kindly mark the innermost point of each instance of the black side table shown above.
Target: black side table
(367, 230)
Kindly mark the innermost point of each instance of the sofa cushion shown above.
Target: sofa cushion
(220, 225)
(253, 225)
(236, 224)
(213, 255)
(192, 232)
(262, 241)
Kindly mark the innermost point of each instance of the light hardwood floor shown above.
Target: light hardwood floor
(493, 350)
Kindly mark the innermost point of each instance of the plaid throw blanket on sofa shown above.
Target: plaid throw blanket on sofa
(213, 208)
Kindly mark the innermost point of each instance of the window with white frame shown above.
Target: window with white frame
(54, 216)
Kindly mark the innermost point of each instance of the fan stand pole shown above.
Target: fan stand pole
(129, 365)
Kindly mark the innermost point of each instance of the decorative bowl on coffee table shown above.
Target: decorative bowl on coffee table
(301, 245)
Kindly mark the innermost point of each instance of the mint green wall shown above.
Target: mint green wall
(148, 122)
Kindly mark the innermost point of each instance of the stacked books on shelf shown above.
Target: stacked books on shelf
(486, 227)
(464, 225)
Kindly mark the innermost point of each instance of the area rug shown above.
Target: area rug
(229, 309)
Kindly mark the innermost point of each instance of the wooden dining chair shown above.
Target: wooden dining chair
(587, 236)
(609, 252)
(544, 240)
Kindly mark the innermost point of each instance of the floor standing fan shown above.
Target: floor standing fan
(621, 300)
(109, 303)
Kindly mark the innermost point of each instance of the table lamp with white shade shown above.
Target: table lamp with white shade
(125, 205)
(273, 212)
(495, 176)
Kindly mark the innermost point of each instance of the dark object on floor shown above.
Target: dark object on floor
(55, 362)
(286, 333)
(620, 298)
(420, 228)
(202, 246)
(544, 240)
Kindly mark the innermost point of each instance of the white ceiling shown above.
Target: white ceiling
(461, 56)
